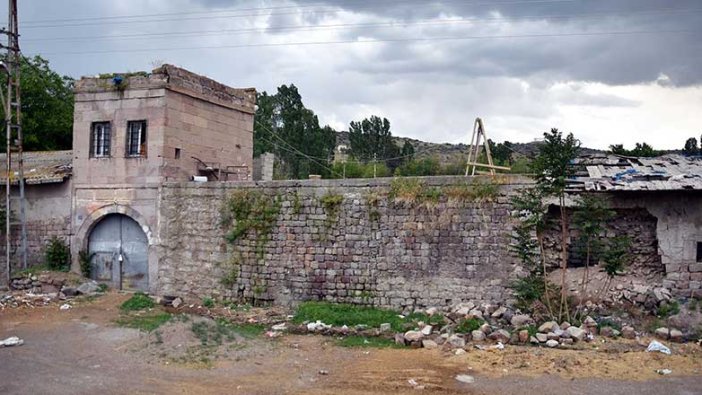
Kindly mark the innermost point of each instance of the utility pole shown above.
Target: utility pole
(13, 135)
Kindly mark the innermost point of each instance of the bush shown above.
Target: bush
(208, 302)
(469, 325)
(84, 257)
(57, 255)
(139, 301)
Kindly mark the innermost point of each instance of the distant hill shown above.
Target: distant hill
(450, 153)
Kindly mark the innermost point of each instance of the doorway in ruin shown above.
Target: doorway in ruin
(118, 250)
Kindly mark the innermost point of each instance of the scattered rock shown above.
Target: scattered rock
(413, 336)
(456, 341)
(385, 327)
(476, 313)
(499, 312)
(323, 372)
(567, 341)
(533, 340)
(65, 306)
(429, 344)
(565, 325)
(485, 328)
(426, 330)
(541, 337)
(628, 332)
(477, 336)
(279, 327)
(576, 333)
(549, 326)
(88, 288)
(459, 351)
(431, 311)
(607, 331)
(552, 343)
(523, 336)
(177, 302)
(500, 335)
(590, 322)
(463, 309)
(661, 294)
(662, 333)
(317, 326)
(676, 336)
(400, 339)
(69, 291)
(520, 320)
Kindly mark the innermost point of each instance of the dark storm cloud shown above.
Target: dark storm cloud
(612, 59)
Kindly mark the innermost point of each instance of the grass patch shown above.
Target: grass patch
(139, 301)
(146, 323)
(208, 302)
(367, 342)
(668, 309)
(469, 325)
(351, 315)
(221, 331)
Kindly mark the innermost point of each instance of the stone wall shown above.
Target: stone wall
(372, 248)
(48, 215)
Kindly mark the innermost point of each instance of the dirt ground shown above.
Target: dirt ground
(82, 351)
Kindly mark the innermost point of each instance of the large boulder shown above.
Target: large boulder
(549, 326)
(576, 333)
(500, 335)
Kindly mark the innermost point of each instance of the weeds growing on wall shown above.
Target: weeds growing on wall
(413, 191)
(373, 201)
(331, 202)
(479, 191)
(297, 204)
(250, 212)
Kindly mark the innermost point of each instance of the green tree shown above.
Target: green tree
(371, 139)
(691, 148)
(285, 127)
(552, 168)
(642, 150)
(407, 152)
(47, 106)
(501, 152)
(590, 216)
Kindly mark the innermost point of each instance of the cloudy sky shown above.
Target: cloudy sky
(610, 71)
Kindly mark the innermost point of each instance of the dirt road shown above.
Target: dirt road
(82, 351)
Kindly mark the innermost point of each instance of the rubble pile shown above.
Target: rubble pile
(36, 290)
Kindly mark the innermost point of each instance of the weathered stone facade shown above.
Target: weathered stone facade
(372, 249)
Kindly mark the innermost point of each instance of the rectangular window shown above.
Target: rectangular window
(699, 251)
(100, 138)
(136, 139)
(177, 153)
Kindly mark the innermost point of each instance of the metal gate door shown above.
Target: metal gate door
(119, 253)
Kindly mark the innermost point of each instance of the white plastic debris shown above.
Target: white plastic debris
(11, 341)
(464, 378)
(279, 327)
(498, 346)
(664, 372)
(65, 306)
(657, 346)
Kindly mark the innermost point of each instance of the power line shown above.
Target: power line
(294, 150)
(426, 22)
(299, 9)
(374, 41)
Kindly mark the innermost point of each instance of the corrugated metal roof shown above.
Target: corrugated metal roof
(41, 167)
(619, 173)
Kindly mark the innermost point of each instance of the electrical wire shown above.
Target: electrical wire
(339, 26)
(374, 41)
(101, 21)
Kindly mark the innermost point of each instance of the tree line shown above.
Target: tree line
(284, 126)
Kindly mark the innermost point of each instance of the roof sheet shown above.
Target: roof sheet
(619, 173)
(41, 167)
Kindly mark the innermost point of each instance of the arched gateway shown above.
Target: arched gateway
(118, 249)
